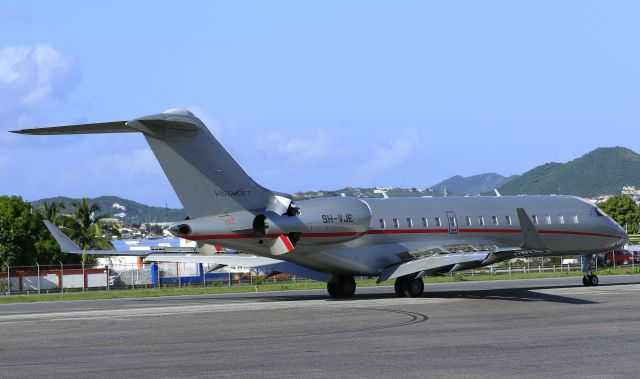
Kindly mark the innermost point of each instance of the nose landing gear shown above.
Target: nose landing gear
(589, 279)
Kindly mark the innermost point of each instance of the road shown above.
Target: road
(520, 328)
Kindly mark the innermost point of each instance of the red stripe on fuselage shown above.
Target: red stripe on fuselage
(396, 231)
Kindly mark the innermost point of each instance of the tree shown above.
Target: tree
(52, 212)
(624, 211)
(16, 231)
(83, 226)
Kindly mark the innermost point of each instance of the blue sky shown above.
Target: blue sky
(315, 95)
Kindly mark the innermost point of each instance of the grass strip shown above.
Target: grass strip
(243, 288)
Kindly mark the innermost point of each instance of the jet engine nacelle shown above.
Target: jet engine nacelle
(318, 221)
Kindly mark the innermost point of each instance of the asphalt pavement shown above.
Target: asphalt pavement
(521, 328)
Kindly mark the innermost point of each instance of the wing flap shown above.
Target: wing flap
(431, 263)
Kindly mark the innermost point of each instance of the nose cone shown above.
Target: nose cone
(617, 230)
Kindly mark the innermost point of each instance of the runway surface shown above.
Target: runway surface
(521, 328)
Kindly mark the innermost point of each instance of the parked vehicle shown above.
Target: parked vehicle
(620, 258)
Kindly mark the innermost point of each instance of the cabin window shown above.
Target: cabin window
(547, 219)
(575, 219)
(508, 219)
(495, 220)
(382, 224)
(561, 218)
(409, 223)
(481, 221)
(438, 222)
(467, 221)
(534, 218)
(452, 221)
(425, 223)
(396, 223)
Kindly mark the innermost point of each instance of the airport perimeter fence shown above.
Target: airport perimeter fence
(66, 278)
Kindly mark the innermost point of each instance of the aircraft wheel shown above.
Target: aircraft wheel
(593, 280)
(399, 286)
(341, 287)
(413, 287)
(586, 281)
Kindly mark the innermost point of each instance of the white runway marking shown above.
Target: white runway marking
(214, 308)
(591, 291)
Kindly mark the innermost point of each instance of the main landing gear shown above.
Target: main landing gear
(341, 286)
(409, 286)
(589, 279)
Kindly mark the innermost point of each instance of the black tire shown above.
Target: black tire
(342, 287)
(399, 286)
(586, 280)
(593, 279)
(413, 287)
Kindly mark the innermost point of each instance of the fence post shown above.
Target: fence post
(61, 277)
(178, 273)
(229, 272)
(84, 278)
(8, 279)
(38, 276)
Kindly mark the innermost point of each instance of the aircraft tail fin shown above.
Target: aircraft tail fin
(203, 174)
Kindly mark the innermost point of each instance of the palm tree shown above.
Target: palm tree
(84, 227)
(52, 212)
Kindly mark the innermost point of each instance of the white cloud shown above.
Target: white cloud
(389, 157)
(128, 165)
(299, 149)
(33, 74)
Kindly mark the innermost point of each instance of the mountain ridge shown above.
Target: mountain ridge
(602, 171)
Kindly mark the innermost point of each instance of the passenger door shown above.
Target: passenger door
(453, 222)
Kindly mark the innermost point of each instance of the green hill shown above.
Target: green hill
(603, 171)
(472, 184)
(134, 212)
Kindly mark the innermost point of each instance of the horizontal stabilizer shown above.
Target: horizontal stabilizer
(97, 128)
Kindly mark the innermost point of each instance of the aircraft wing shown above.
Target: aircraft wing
(464, 256)
(68, 246)
(164, 254)
(244, 260)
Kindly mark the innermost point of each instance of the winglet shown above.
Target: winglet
(66, 244)
(531, 239)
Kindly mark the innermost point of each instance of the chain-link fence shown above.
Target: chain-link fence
(62, 278)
